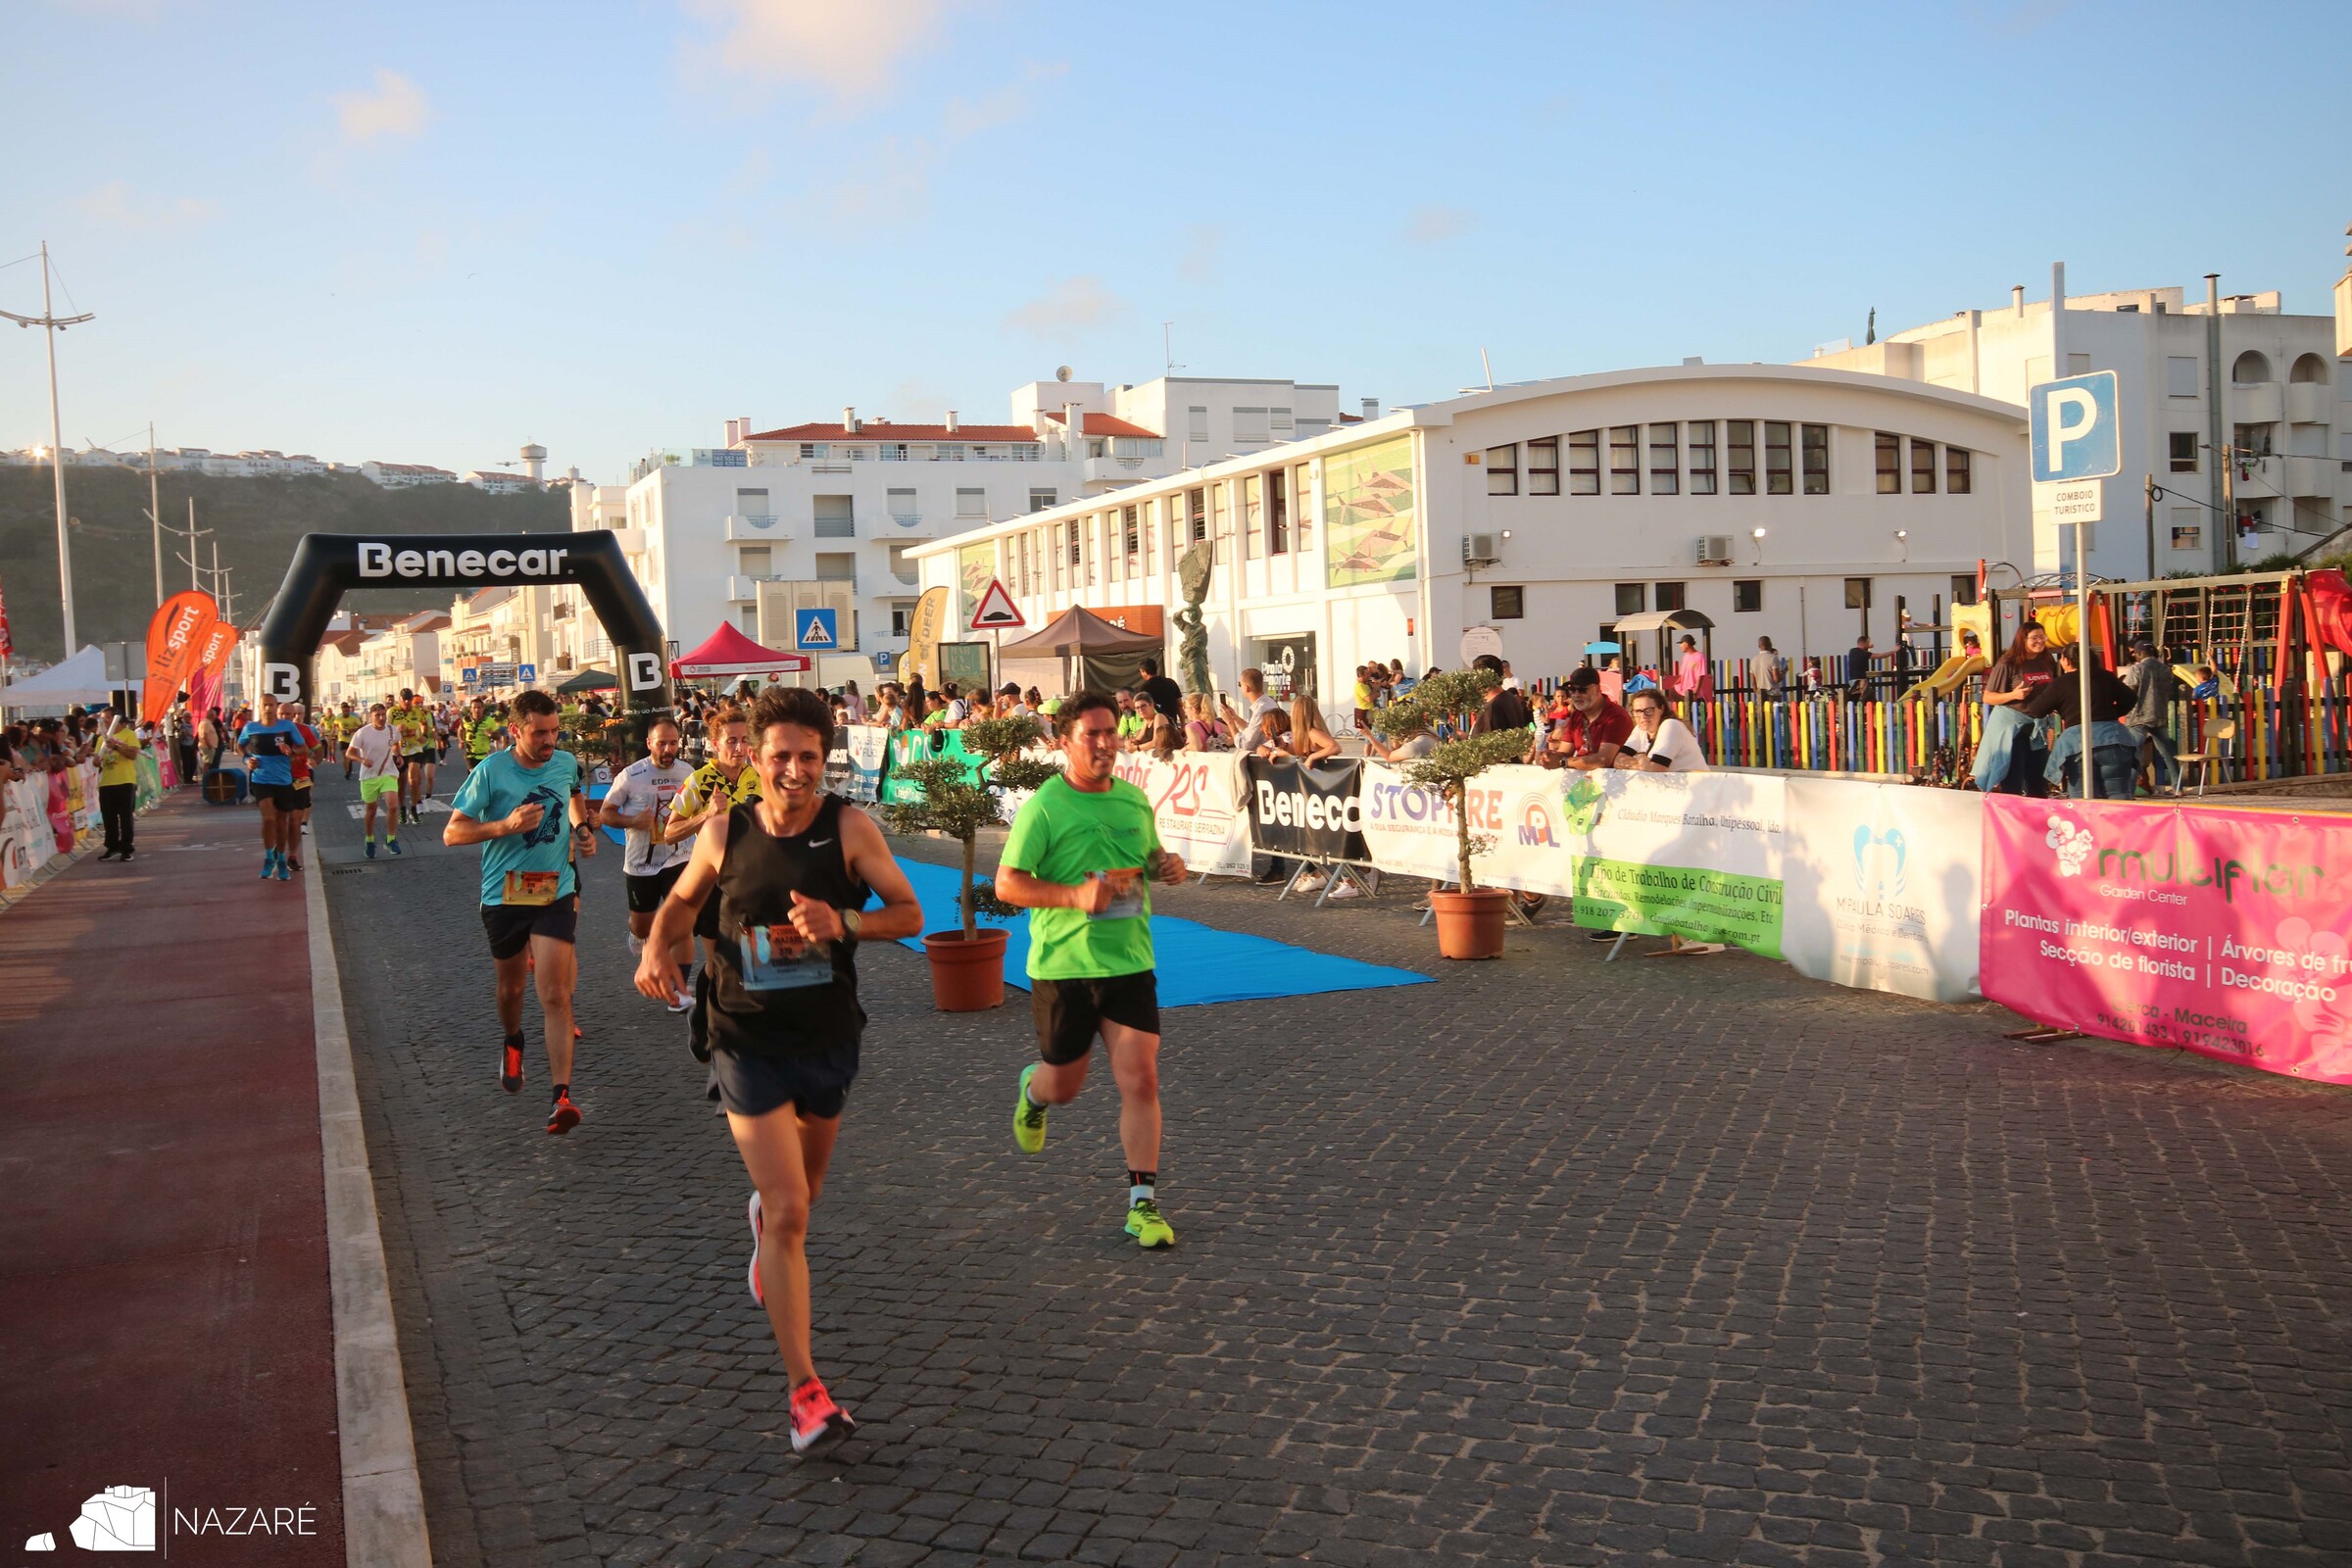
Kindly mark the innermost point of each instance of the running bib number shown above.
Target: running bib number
(1126, 896)
(528, 888)
(769, 964)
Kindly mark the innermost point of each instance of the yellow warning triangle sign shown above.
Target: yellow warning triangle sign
(995, 610)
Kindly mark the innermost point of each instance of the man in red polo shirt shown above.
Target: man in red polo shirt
(1588, 738)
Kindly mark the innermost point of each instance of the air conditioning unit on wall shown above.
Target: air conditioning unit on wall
(1479, 550)
(1715, 550)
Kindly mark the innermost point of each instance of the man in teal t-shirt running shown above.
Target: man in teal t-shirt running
(1080, 856)
(526, 807)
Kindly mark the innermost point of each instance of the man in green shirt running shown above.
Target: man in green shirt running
(1080, 854)
(485, 724)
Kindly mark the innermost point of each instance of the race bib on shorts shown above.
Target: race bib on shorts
(528, 888)
(768, 963)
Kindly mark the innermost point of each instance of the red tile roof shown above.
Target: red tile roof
(898, 432)
(1107, 424)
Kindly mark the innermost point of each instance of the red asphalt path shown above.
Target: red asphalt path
(164, 1314)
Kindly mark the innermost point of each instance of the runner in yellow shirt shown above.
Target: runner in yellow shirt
(413, 722)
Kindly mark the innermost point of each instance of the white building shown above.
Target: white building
(2192, 377)
(395, 475)
(509, 625)
(1547, 511)
(498, 482)
(826, 513)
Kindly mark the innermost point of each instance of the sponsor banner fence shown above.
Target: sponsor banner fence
(1884, 887)
(1313, 812)
(907, 747)
(866, 749)
(1200, 801)
(2224, 932)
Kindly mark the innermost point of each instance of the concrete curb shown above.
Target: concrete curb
(384, 1501)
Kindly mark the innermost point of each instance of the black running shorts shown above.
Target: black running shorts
(301, 795)
(645, 893)
(420, 759)
(1069, 1013)
(280, 796)
(814, 1078)
(511, 927)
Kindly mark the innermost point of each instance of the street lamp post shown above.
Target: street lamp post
(52, 324)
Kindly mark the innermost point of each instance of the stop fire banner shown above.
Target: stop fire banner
(2224, 932)
(175, 634)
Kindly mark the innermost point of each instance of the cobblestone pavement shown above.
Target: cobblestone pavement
(1683, 1262)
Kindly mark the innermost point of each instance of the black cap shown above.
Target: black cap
(1583, 679)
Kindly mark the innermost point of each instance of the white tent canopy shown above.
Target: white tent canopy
(80, 680)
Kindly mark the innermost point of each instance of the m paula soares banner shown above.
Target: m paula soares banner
(1313, 812)
(2224, 932)
(1884, 887)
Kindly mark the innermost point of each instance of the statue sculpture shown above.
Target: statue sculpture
(1191, 650)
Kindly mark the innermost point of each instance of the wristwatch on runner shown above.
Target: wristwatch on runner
(851, 921)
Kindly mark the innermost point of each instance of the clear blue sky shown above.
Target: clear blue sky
(430, 232)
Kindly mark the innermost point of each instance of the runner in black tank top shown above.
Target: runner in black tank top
(789, 874)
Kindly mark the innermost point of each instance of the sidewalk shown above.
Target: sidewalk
(165, 1313)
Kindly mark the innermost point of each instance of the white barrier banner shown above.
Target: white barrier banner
(1884, 885)
(868, 746)
(1198, 800)
(1408, 829)
(27, 838)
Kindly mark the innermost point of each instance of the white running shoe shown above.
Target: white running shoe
(636, 946)
(752, 1213)
(1346, 890)
(1312, 882)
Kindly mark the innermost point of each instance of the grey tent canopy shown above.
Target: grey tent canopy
(1078, 648)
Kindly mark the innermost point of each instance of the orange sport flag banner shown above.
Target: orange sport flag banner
(209, 666)
(175, 634)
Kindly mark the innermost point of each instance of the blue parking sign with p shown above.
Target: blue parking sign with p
(2076, 433)
(812, 631)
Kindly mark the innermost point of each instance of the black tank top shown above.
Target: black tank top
(760, 1000)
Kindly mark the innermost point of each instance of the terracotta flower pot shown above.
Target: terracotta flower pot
(967, 975)
(1470, 924)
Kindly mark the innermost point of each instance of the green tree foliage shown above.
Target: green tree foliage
(1450, 704)
(960, 808)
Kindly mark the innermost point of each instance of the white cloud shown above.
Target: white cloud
(1433, 223)
(893, 182)
(1199, 263)
(397, 107)
(1069, 307)
(853, 51)
(117, 206)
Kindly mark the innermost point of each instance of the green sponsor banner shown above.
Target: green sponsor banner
(1680, 900)
(913, 746)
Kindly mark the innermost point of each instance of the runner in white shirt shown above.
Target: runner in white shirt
(1659, 744)
(376, 747)
(639, 803)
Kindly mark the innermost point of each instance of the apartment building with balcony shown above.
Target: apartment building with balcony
(2193, 376)
(826, 513)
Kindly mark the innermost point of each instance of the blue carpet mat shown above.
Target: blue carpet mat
(1196, 962)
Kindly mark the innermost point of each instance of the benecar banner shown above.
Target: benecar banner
(1884, 887)
(1313, 812)
(2224, 932)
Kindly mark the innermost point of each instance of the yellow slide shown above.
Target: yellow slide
(1948, 677)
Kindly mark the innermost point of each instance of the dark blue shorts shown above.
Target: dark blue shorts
(814, 1078)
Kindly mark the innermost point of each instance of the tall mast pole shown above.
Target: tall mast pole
(155, 516)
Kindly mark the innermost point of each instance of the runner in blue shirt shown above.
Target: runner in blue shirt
(517, 805)
(270, 743)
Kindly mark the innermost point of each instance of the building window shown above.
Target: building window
(752, 560)
(1964, 588)
(1665, 459)
(1253, 527)
(1197, 423)
(2181, 375)
(1958, 475)
(1923, 468)
(1301, 487)
(1085, 535)
(836, 517)
(1739, 440)
(1248, 427)
(2185, 451)
(1543, 467)
(751, 504)
(1198, 502)
(901, 619)
(1041, 498)
(1747, 594)
(1216, 521)
(1816, 439)
(1502, 470)
(1632, 598)
(1131, 538)
(836, 566)
(1891, 463)
(972, 503)
(1780, 466)
(902, 507)
(809, 449)
(1625, 460)
(1278, 513)
(1670, 595)
(1584, 462)
(1702, 457)
(2188, 528)
(1857, 593)
(1507, 604)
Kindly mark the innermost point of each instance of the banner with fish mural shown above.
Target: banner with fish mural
(1371, 527)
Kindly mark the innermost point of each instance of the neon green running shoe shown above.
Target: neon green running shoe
(1028, 1119)
(1144, 1224)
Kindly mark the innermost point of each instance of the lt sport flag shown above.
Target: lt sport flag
(175, 634)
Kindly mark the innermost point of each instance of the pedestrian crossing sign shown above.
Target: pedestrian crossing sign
(813, 631)
(995, 610)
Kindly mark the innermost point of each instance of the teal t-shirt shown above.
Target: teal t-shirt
(1065, 835)
(516, 868)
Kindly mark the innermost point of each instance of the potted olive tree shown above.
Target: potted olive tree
(967, 966)
(1470, 919)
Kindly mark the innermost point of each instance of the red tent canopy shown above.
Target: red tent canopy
(729, 652)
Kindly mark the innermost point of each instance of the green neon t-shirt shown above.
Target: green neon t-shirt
(1064, 834)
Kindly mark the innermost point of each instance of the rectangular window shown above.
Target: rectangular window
(1216, 521)
(1248, 427)
(1196, 423)
(2077, 365)
(1197, 501)
(1702, 457)
(1041, 498)
(901, 619)
(1632, 598)
(1059, 555)
(1740, 442)
(1086, 534)
(1543, 467)
(1279, 421)
(972, 503)
(1857, 593)
(1142, 517)
(902, 507)
(1625, 460)
(1254, 525)
(1301, 492)
(752, 560)
(809, 449)
(1507, 604)
(1958, 473)
(2181, 375)
(1670, 595)
(1964, 588)
(1584, 462)
(1665, 459)
(1779, 462)
(836, 566)
(1891, 463)
(2188, 528)
(1278, 513)
(1747, 594)
(2185, 451)
(836, 517)
(751, 504)
(1816, 447)
(1923, 468)
(1502, 470)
